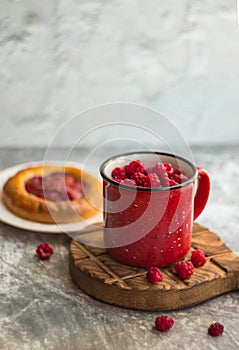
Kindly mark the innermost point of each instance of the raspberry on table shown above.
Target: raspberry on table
(198, 258)
(163, 323)
(184, 269)
(154, 275)
(44, 251)
(216, 329)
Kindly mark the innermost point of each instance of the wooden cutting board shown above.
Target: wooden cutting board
(106, 279)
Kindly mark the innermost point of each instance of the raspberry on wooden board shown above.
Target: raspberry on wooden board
(184, 269)
(154, 275)
(198, 258)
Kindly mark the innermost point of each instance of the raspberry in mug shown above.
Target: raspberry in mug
(160, 175)
(149, 207)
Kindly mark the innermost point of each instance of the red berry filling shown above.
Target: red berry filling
(55, 187)
(44, 251)
(184, 269)
(154, 275)
(215, 329)
(198, 258)
(163, 323)
(160, 175)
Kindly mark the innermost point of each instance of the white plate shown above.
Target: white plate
(9, 218)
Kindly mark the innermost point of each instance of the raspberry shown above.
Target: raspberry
(184, 269)
(129, 182)
(161, 171)
(134, 167)
(163, 323)
(139, 178)
(149, 170)
(154, 275)
(198, 258)
(172, 183)
(44, 251)
(179, 178)
(215, 329)
(169, 169)
(118, 174)
(177, 171)
(152, 180)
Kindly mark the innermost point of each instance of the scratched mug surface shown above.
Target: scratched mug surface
(151, 226)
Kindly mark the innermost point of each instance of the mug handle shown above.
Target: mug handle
(202, 193)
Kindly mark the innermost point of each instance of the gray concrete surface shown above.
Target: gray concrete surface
(41, 308)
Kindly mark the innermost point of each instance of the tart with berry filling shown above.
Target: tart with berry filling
(52, 194)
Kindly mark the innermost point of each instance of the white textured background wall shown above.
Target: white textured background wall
(58, 57)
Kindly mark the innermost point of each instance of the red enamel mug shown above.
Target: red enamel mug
(151, 226)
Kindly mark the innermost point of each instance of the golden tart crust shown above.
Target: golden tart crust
(28, 206)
